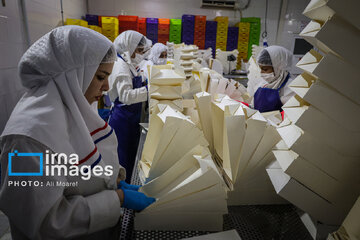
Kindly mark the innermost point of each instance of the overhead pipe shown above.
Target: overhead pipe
(24, 25)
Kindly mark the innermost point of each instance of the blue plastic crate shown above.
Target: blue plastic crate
(187, 17)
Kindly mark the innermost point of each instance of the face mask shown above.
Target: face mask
(161, 61)
(269, 77)
(137, 59)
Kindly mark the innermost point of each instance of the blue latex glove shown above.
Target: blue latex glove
(136, 200)
(125, 185)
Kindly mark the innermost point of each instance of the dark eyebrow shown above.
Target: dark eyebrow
(107, 73)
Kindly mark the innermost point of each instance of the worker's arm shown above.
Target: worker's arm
(127, 94)
(50, 212)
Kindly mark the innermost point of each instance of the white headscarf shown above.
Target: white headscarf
(56, 70)
(155, 53)
(281, 60)
(127, 42)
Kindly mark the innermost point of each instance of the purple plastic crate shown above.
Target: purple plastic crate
(187, 17)
(233, 29)
(152, 20)
(151, 28)
(92, 19)
(211, 25)
(230, 46)
(210, 37)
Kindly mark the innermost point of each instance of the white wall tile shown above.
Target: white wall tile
(43, 15)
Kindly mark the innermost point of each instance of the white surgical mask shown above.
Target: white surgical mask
(269, 77)
(137, 59)
(161, 61)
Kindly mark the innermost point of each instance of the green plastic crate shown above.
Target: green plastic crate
(255, 30)
(175, 31)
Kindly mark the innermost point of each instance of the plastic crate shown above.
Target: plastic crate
(188, 17)
(222, 19)
(109, 20)
(142, 26)
(254, 33)
(174, 21)
(200, 43)
(164, 26)
(79, 22)
(127, 22)
(95, 28)
(92, 19)
(152, 21)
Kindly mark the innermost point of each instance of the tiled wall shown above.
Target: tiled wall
(43, 15)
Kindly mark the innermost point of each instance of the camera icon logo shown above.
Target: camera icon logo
(17, 154)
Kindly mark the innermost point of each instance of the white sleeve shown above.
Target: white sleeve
(127, 94)
(286, 93)
(50, 212)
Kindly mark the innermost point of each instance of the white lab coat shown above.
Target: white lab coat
(120, 80)
(121, 84)
(54, 115)
(55, 212)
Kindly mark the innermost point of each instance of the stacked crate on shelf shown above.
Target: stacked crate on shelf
(243, 42)
(232, 38)
(110, 27)
(152, 29)
(188, 25)
(79, 22)
(175, 31)
(210, 36)
(163, 30)
(127, 23)
(221, 33)
(199, 31)
(254, 35)
(142, 26)
(92, 19)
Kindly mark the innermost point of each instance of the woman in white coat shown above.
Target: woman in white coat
(64, 72)
(273, 91)
(157, 56)
(128, 92)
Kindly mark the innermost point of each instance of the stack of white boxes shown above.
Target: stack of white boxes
(170, 50)
(165, 86)
(184, 58)
(319, 164)
(177, 168)
(241, 140)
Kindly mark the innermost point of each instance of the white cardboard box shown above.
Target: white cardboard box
(336, 106)
(336, 36)
(304, 198)
(324, 9)
(339, 194)
(330, 132)
(331, 70)
(340, 166)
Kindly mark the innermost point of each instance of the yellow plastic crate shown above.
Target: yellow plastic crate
(222, 19)
(243, 27)
(111, 20)
(110, 26)
(79, 22)
(95, 28)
